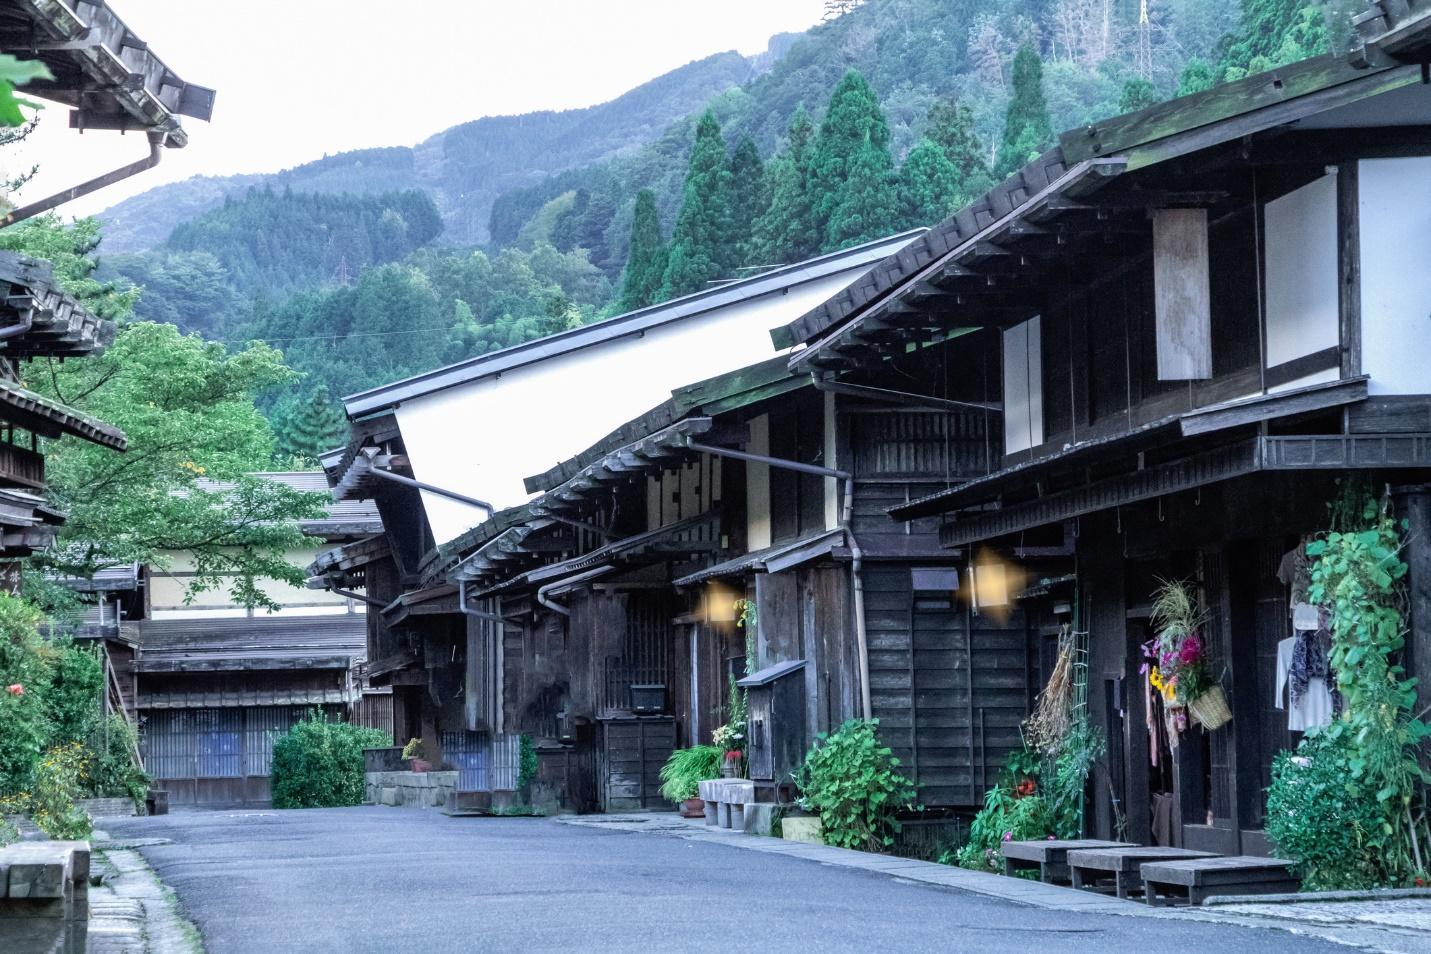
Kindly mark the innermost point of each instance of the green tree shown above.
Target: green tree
(787, 230)
(1028, 130)
(311, 426)
(1197, 77)
(1274, 33)
(747, 194)
(854, 182)
(702, 246)
(1138, 94)
(951, 127)
(929, 187)
(646, 263)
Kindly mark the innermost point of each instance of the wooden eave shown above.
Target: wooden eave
(37, 413)
(102, 70)
(55, 323)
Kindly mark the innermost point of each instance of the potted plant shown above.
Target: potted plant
(415, 755)
(683, 773)
(1176, 659)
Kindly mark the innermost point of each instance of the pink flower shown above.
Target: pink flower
(15, 689)
(1191, 650)
(1008, 836)
(1051, 838)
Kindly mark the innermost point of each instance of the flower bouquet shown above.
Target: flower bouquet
(1176, 659)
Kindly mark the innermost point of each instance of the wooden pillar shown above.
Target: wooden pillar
(1414, 505)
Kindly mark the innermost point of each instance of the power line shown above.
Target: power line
(355, 334)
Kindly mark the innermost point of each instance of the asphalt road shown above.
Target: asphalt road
(387, 880)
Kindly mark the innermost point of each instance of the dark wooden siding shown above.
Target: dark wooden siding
(950, 688)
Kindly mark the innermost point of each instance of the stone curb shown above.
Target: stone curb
(1319, 897)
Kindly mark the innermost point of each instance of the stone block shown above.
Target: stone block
(37, 877)
(390, 795)
(760, 818)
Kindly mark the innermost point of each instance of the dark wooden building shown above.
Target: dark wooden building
(1193, 322)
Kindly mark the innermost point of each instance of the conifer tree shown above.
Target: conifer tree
(701, 248)
(315, 425)
(951, 126)
(747, 198)
(786, 231)
(929, 187)
(1138, 94)
(1028, 131)
(646, 262)
(854, 183)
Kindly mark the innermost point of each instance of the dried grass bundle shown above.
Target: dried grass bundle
(1053, 714)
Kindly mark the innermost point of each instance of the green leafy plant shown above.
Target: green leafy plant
(59, 784)
(319, 764)
(686, 769)
(112, 772)
(415, 749)
(1007, 815)
(526, 761)
(852, 780)
(1320, 817)
(25, 666)
(15, 72)
(1063, 786)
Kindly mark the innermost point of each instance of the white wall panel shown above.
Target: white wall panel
(1395, 213)
(1302, 290)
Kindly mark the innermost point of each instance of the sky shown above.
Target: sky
(298, 79)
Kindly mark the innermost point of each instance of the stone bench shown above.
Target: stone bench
(1168, 882)
(1091, 868)
(1049, 857)
(726, 799)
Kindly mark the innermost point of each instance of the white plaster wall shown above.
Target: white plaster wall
(758, 529)
(1023, 386)
(1302, 289)
(483, 438)
(1395, 207)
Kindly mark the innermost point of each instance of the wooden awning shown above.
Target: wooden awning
(43, 319)
(109, 76)
(771, 559)
(40, 415)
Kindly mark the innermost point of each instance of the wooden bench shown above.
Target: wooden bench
(1050, 857)
(726, 799)
(1092, 867)
(1167, 882)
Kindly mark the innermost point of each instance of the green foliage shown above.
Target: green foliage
(307, 428)
(1274, 33)
(75, 693)
(70, 251)
(1318, 815)
(1359, 576)
(188, 409)
(319, 764)
(686, 768)
(853, 781)
(527, 765)
(852, 174)
(929, 186)
(1138, 94)
(951, 128)
(15, 72)
(702, 244)
(787, 231)
(111, 771)
(1064, 782)
(747, 196)
(1006, 816)
(1028, 129)
(59, 783)
(25, 662)
(1197, 77)
(646, 266)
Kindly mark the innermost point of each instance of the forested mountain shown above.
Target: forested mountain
(890, 115)
(463, 168)
(268, 245)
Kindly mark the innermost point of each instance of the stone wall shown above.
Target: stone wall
(409, 789)
(108, 807)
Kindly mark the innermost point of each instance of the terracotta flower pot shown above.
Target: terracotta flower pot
(693, 808)
(419, 765)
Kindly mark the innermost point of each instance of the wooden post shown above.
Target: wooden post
(1414, 504)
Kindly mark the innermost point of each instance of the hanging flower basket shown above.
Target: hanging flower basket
(1210, 709)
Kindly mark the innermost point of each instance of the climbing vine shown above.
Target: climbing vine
(1358, 577)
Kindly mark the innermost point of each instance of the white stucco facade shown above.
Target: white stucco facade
(484, 436)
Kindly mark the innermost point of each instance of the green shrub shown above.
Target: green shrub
(111, 771)
(686, 769)
(1006, 816)
(59, 784)
(319, 764)
(853, 781)
(25, 666)
(1319, 817)
(527, 765)
(75, 693)
(1062, 785)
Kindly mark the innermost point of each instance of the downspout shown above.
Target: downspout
(432, 489)
(556, 607)
(156, 150)
(24, 325)
(846, 524)
(349, 594)
(476, 613)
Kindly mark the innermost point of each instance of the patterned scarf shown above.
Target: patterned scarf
(1309, 661)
